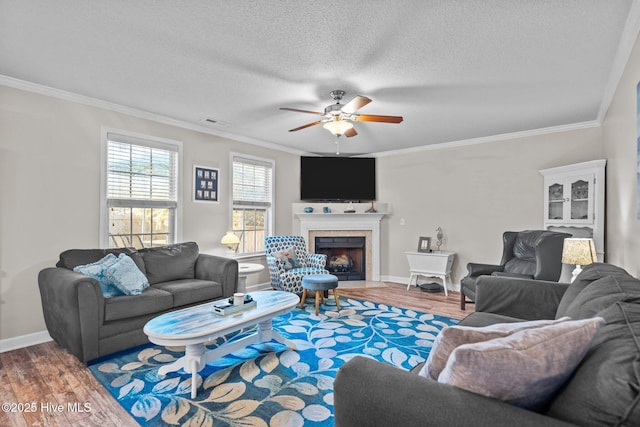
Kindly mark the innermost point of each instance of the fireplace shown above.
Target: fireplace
(346, 256)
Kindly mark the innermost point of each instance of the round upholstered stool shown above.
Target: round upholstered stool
(319, 283)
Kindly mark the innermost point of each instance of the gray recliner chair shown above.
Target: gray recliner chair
(529, 254)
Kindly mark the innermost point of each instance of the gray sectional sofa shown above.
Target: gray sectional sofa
(88, 325)
(604, 390)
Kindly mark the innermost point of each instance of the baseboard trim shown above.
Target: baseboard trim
(22, 341)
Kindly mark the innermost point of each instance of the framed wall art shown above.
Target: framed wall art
(206, 184)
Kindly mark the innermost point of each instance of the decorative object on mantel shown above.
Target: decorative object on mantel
(350, 208)
(308, 209)
(439, 237)
(372, 209)
(232, 241)
(326, 209)
(578, 252)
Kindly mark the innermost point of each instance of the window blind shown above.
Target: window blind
(252, 182)
(141, 172)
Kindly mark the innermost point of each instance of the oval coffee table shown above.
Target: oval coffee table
(193, 326)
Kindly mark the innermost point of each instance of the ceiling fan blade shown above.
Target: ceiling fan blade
(301, 111)
(351, 132)
(380, 119)
(355, 104)
(306, 126)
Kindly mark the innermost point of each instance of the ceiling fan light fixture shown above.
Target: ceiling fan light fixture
(338, 127)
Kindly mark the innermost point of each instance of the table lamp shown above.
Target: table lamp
(578, 251)
(231, 240)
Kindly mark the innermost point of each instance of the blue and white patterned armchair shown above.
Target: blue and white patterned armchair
(289, 262)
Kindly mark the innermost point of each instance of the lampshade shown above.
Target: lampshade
(579, 251)
(338, 127)
(230, 240)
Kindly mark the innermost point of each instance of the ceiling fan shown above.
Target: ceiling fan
(338, 119)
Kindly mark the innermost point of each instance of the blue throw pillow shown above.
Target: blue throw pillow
(98, 271)
(126, 276)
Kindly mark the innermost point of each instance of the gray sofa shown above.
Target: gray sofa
(89, 325)
(604, 390)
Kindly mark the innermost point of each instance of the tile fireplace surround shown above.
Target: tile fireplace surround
(338, 223)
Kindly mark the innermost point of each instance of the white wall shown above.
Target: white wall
(620, 133)
(49, 190)
(474, 193)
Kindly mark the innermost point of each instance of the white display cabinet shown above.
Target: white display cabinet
(574, 198)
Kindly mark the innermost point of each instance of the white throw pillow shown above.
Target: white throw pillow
(453, 336)
(525, 368)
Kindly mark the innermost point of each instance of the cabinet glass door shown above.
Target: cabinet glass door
(556, 201)
(580, 199)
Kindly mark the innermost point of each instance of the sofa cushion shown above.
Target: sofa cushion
(98, 271)
(74, 257)
(151, 300)
(452, 337)
(172, 262)
(189, 291)
(589, 274)
(525, 368)
(601, 293)
(125, 275)
(605, 389)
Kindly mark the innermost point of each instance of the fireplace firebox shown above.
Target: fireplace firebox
(346, 256)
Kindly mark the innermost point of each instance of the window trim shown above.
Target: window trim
(140, 139)
(271, 211)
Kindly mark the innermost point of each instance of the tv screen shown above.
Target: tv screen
(338, 179)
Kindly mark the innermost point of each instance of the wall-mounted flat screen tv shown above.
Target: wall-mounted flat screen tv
(351, 179)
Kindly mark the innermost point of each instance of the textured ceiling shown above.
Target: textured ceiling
(455, 70)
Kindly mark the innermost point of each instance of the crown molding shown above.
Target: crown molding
(493, 138)
(94, 102)
(134, 112)
(627, 42)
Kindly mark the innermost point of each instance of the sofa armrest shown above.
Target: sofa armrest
(369, 393)
(525, 299)
(218, 269)
(73, 309)
(476, 269)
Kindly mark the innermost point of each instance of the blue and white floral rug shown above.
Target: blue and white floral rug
(270, 384)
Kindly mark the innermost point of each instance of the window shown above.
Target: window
(252, 184)
(141, 191)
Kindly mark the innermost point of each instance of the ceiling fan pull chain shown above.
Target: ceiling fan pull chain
(337, 145)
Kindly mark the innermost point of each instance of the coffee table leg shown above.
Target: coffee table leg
(190, 362)
(266, 334)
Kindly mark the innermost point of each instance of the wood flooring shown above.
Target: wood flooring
(43, 385)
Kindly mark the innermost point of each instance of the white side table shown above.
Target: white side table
(430, 264)
(245, 269)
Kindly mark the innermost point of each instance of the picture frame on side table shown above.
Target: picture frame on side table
(424, 244)
(206, 184)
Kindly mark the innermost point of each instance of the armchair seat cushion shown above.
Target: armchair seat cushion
(190, 291)
(151, 300)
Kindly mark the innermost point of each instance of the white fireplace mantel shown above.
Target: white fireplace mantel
(346, 222)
